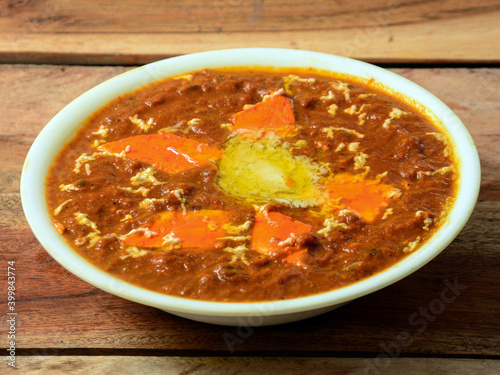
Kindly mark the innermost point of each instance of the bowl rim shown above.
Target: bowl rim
(65, 124)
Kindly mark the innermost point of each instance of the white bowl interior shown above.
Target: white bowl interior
(66, 123)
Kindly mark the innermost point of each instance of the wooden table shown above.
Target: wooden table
(66, 326)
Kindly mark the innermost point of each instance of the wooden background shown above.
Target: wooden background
(136, 32)
(52, 51)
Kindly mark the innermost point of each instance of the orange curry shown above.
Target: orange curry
(251, 185)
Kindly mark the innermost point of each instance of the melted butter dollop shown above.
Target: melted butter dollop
(264, 170)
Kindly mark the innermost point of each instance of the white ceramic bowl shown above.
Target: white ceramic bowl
(65, 124)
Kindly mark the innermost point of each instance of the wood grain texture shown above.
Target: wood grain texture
(474, 94)
(136, 32)
(58, 312)
(248, 365)
(30, 96)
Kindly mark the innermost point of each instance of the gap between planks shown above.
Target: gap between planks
(191, 353)
(135, 60)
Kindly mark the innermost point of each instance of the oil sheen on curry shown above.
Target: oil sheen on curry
(251, 185)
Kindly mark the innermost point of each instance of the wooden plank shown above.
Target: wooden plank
(58, 311)
(134, 32)
(25, 114)
(249, 365)
(474, 94)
